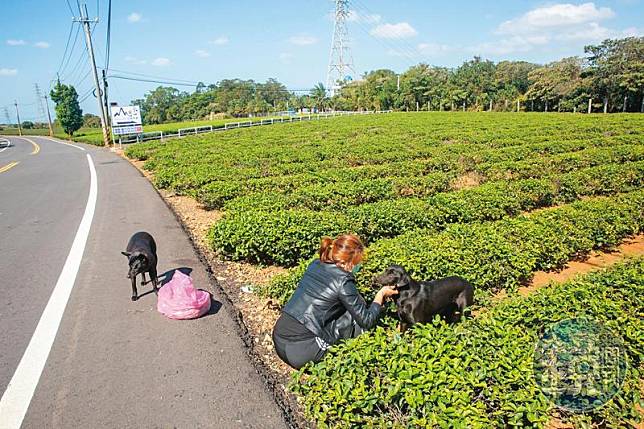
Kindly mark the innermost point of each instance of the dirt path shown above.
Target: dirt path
(596, 260)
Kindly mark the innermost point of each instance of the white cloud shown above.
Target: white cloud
(134, 17)
(401, 30)
(134, 60)
(354, 16)
(221, 40)
(41, 45)
(556, 26)
(161, 62)
(8, 72)
(303, 40)
(14, 42)
(202, 54)
(555, 16)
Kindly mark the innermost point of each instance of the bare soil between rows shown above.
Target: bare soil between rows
(258, 315)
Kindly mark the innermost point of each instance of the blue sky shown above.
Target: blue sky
(287, 40)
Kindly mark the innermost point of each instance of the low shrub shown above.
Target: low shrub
(479, 373)
(501, 254)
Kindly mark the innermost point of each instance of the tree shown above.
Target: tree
(91, 121)
(380, 89)
(68, 112)
(558, 82)
(616, 70)
(474, 80)
(319, 97)
(28, 125)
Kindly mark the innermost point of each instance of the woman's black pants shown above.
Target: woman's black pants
(298, 353)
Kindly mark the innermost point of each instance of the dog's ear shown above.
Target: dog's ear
(126, 254)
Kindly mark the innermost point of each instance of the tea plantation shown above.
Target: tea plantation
(492, 197)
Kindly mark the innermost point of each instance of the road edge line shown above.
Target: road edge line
(17, 397)
(63, 143)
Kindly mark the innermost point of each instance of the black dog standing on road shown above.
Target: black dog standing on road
(141, 253)
(418, 302)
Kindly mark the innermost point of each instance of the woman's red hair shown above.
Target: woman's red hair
(346, 249)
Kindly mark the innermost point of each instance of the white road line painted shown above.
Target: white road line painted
(7, 144)
(16, 399)
(63, 143)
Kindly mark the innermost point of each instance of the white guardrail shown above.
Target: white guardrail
(183, 132)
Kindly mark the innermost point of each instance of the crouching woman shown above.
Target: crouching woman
(326, 306)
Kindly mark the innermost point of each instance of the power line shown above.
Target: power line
(70, 7)
(396, 45)
(108, 35)
(175, 83)
(151, 80)
(69, 37)
(193, 83)
(86, 95)
(71, 53)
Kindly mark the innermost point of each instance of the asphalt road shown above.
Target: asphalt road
(113, 363)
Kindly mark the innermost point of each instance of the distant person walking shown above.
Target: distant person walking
(326, 306)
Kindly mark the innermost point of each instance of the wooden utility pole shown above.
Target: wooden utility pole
(51, 129)
(15, 103)
(85, 21)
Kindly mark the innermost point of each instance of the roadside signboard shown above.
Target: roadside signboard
(126, 120)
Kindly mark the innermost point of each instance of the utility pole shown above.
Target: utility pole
(51, 129)
(106, 104)
(15, 103)
(85, 21)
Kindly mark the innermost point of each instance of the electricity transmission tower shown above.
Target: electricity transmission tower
(6, 115)
(340, 60)
(41, 108)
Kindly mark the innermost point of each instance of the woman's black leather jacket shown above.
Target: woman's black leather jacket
(327, 302)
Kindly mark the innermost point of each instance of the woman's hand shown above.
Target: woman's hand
(385, 293)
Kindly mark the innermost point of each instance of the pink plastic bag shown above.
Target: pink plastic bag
(178, 299)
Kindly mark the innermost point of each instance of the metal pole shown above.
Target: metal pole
(51, 129)
(84, 20)
(18, 115)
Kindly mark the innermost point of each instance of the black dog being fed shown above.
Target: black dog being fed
(141, 253)
(419, 302)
